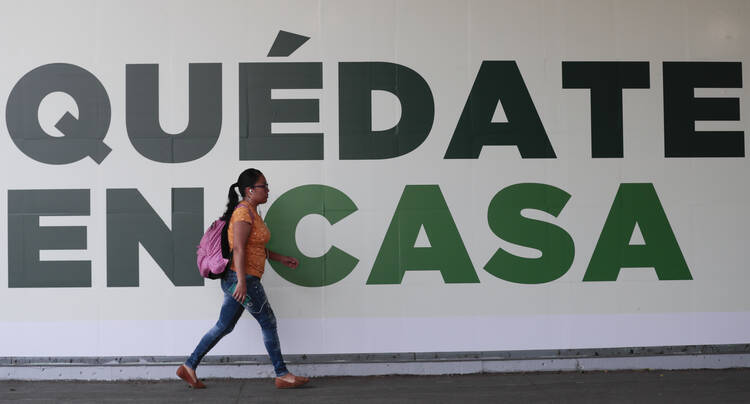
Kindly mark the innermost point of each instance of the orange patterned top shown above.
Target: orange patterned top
(255, 249)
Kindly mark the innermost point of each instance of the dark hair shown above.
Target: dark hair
(246, 179)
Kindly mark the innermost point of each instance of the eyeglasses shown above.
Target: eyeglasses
(260, 186)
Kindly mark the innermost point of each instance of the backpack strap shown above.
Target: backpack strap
(226, 252)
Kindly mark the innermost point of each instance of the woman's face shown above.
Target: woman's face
(259, 191)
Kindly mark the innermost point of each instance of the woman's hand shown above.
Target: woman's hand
(240, 291)
(291, 262)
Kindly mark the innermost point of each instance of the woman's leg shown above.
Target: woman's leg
(230, 313)
(261, 310)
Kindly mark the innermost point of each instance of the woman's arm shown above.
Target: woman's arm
(291, 262)
(241, 232)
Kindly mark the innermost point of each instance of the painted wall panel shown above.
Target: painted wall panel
(486, 76)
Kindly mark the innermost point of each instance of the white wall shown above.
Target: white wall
(705, 199)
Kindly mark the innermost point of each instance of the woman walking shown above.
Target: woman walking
(248, 236)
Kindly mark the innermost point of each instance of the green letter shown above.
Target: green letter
(284, 215)
(637, 204)
(422, 205)
(505, 220)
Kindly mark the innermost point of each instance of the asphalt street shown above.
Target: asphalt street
(694, 386)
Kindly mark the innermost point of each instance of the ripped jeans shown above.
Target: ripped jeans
(231, 311)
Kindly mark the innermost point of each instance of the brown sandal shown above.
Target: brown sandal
(182, 373)
(298, 382)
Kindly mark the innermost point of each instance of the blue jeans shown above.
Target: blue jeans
(231, 311)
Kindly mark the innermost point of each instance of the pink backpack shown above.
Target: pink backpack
(213, 251)
(211, 261)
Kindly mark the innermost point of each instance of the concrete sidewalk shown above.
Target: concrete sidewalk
(693, 386)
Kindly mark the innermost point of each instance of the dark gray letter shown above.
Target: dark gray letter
(258, 111)
(142, 113)
(682, 109)
(26, 238)
(357, 140)
(606, 81)
(131, 221)
(498, 80)
(83, 135)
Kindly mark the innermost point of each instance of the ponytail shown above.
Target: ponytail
(232, 203)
